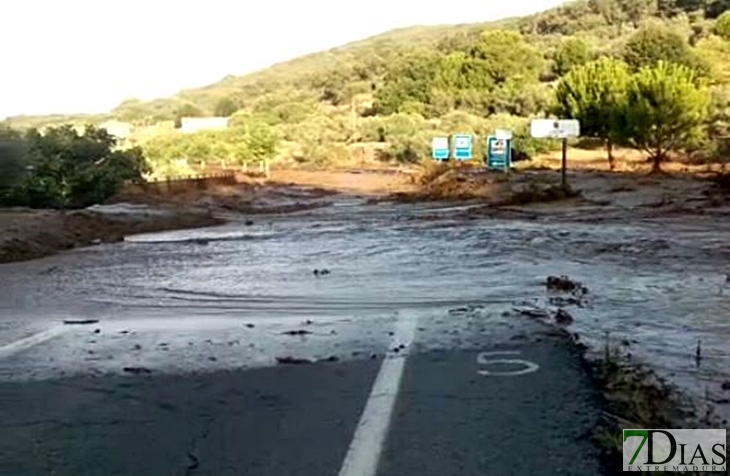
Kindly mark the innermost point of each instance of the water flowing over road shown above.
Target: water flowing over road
(240, 296)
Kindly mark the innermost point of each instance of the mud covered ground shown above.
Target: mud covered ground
(281, 317)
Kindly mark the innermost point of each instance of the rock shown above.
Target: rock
(563, 318)
(250, 326)
(81, 322)
(564, 284)
(296, 333)
(249, 222)
(331, 358)
(726, 385)
(137, 370)
(292, 361)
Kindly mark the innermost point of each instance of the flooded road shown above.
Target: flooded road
(242, 295)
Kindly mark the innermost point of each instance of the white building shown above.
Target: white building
(120, 130)
(195, 124)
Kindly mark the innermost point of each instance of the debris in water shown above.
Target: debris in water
(292, 361)
(563, 318)
(249, 222)
(137, 370)
(561, 301)
(726, 385)
(533, 313)
(296, 333)
(137, 347)
(308, 322)
(698, 353)
(250, 326)
(80, 321)
(321, 272)
(331, 358)
(194, 462)
(97, 331)
(459, 310)
(565, 284)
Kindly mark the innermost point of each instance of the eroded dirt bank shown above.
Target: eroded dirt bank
(28, 234)
(595, 196)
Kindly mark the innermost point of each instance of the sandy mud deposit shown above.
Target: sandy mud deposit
(28, 234)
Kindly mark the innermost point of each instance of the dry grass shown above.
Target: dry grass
(626, 160)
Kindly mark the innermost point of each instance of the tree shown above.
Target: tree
(13, 161)
(187, 109)
(665, 109)
(507, 55)
(654, 43)
(722, 26)
(225, 107)
(261, 141)
(410, 79)
(76, 170)
(611, 12)
(570, 54)
(594, 94)
(636, 10)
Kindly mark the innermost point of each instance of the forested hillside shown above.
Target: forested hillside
(392, 93)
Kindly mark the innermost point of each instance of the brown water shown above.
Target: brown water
(657, 286)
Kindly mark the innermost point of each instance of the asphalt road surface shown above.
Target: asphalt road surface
(412, 412)
(413, 363)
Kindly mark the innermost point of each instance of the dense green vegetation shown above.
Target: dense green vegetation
(63, 168)
(395, 91)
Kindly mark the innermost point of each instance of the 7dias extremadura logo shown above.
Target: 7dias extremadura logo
(675, 450)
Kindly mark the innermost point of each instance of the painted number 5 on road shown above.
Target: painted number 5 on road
(489, 359)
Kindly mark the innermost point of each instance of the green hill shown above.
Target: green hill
(399, 88)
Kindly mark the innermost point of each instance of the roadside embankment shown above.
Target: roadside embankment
(28, 234)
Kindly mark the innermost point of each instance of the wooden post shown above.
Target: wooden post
(564, 166)
(268, 171)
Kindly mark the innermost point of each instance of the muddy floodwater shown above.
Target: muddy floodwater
(243, 294)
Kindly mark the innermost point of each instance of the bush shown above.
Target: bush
(73, 170)
(722, 26)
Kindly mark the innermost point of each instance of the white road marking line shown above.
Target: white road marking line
(363, 455)
(19, 345)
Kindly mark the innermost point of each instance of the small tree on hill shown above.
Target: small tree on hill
(665, 109)
(654, 43)
(594, 94)
(722, 26)
(225, 107)
(571, 54)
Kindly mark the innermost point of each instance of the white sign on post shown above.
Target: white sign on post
(503, 134)
(555, 128)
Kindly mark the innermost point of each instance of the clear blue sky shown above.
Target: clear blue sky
(63, 56)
